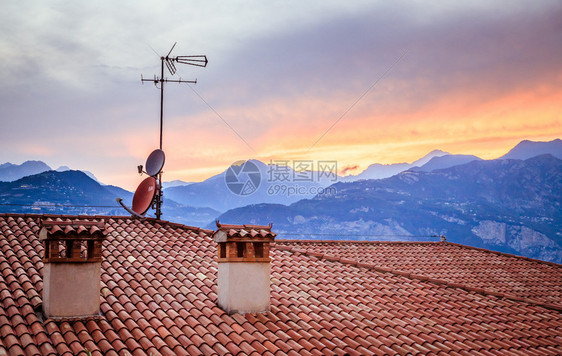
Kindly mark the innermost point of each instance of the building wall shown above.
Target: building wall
(244, 287)
(71, 289)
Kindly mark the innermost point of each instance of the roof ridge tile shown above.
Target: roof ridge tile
(315, 254)
(330, 257)
(348, 261)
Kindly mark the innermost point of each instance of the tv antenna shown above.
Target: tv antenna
(198, 61)
(149, 192)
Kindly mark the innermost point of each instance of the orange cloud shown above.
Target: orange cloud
(287, 128)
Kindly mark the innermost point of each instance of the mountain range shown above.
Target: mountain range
(214, 192)
(380, 171)
(511, 204)
(74, 192)
(271, 187)
(10, 172)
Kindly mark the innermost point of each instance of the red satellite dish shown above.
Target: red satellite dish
(149, 188)
(144, 195)
(155, 162)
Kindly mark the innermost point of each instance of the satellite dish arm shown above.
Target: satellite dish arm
(134, 214)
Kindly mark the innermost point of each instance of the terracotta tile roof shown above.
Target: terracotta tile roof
(158, 297)
(454, 264)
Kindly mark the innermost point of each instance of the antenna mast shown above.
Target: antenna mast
(198, 61)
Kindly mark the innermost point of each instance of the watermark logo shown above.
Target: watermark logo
(302, 171)
(283, 177)
(243, 178)
(290, 190)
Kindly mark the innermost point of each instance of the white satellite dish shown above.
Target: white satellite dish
(155, 162)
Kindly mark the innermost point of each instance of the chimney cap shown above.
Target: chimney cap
(72, 229)
(243, 232)
(248, 226)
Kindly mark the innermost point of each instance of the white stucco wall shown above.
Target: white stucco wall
(71, 289)
(244, 287)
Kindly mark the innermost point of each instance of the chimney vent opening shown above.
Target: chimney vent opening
(258, 249)
(222, 250)
(240, 249)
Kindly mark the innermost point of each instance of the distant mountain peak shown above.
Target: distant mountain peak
(435, 153)
(381, 171)
(446, 161)
(527, 149)
(88, 173)
(10, 172)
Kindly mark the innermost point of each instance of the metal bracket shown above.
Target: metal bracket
(130, 211)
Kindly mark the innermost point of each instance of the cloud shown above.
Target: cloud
(472, 49)
(280, 73)
(348, 170)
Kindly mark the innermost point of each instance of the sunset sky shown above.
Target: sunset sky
(359, 82)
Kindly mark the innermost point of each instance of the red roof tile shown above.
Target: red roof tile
(159, 296)
(474, 269)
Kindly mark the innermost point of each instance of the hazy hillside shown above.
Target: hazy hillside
(72, 188)
(175, 183)
(79, 194)
(10, 172)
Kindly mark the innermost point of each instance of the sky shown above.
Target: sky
(358, 82)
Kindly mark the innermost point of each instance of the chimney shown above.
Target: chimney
(244, 267)
(72, 267)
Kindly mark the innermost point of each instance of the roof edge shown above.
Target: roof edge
(63, 216)
(115, 217)
(355, 241)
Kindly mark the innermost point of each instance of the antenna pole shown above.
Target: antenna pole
(161, 100)
(198, 61)
(159, 197)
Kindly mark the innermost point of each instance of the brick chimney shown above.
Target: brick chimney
(243, 281)
(72, 267)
